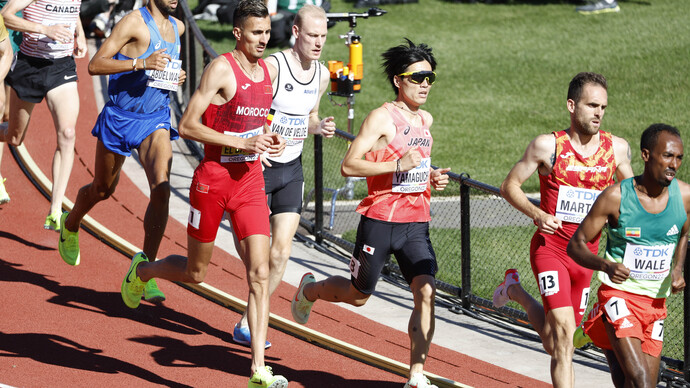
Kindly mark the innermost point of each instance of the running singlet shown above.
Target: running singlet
(402, 196)
(645, 242)
(48, 13)
(292, 102)
(244, 115)
(128, 90)
(575, 182)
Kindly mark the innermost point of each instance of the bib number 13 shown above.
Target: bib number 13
(548, 283)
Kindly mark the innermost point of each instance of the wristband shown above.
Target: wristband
(144, 64)
(134, 63)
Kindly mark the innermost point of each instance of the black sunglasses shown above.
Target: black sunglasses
(419, 76)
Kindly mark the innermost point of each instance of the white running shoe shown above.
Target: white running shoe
(501, 294)
(301, 306)
(418, 380)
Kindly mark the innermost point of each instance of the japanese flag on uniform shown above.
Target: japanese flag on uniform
(368, 249)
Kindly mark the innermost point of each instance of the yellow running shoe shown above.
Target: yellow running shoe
(4, 197)
(152, 293)
(264, 378)
(580, 339)
(68, 243)
(53, 222)
(132, 287)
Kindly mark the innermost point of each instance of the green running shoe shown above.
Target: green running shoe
(132, 287)
(301, 306)
(152, 293)
(53, 222)
(264, 378)
(68, 243)
(4, 197)
(580, 339)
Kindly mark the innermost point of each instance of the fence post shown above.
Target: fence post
(465, 267)
(686, 320)
(318, 189)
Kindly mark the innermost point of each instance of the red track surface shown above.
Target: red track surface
(67, 326)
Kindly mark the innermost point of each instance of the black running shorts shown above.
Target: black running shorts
(32, 78)
(284, 186)
(376, 240)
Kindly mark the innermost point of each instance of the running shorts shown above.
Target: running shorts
(121, 131)
(631, 315)
(562, 282)
(284, 186)
(376, 240)
(237, 189)
(32, 78)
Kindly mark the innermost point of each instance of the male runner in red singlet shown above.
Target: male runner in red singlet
(395, 143)
(574, 166)
(45, 68)
(233, 100)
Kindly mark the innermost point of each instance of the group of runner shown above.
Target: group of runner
(647, 221)
(253, 117)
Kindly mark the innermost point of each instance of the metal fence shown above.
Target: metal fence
(476, 234)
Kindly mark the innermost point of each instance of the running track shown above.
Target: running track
(67, 326)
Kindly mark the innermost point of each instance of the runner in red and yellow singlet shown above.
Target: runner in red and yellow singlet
(574, 166)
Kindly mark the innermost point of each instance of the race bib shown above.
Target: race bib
(354, 267)
(574, 203)
(648, 262)
(616, 309)
(293, 128)
(45, 42)
(194, 218)
(658, 330)
(167, 78)
(413, 181)
(548, 283)
(584, 300)
(236, 155)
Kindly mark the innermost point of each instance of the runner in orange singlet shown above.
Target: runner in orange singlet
(574, 166)
(395, 142)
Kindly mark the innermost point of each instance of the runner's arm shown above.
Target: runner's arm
(376, 132)
(80, 48)
(325, 127)
(217, 85)
(678, 281)
(57, 32)
(622, 155)
(606, 206)
(5, 58)
(540, 152)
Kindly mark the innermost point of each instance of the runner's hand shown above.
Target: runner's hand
(411, 159)
(80, 47)
(439, 178)
(61, 33)
(618, 273)
(158, 60)
(257, 144)
(327, 126)
(265, 162)
(547, 223)
(183, 77)
(277, 146)
(678, 282)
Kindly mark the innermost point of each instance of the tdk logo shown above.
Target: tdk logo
(424, 163)
(652, 252)
(582, 195)
(296, 121)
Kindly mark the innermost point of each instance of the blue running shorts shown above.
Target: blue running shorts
(121, 131)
